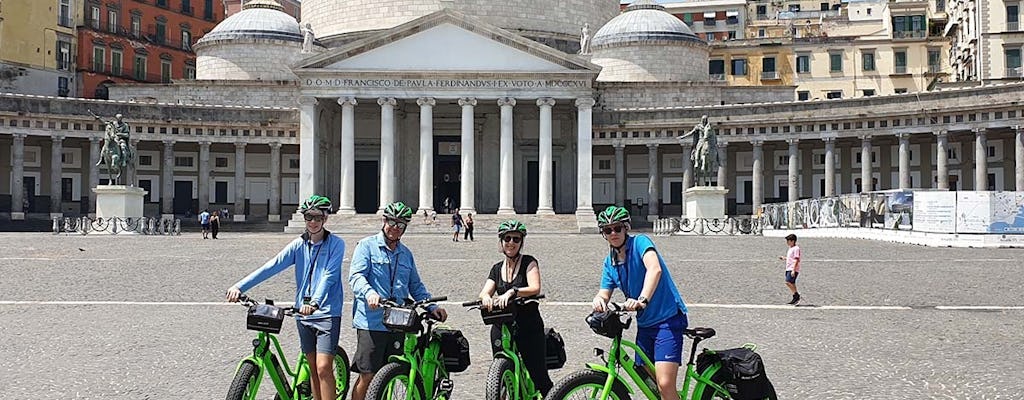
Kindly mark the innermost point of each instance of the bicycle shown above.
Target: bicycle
(507, 377)
(422, 371)
(267, 356)
(605, 381)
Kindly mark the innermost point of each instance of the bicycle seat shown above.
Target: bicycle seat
(702, 333)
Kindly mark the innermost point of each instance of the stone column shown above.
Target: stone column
(94, 171)
(467, 183)
(794, 170)
(387, 151)
(757, 184)
(830, 166)
(505, 205)
(980, 160)
(1018, 144)
(167, 181)
(687, 171)
(347, 196)
(18, 177)
(620, 173)
(426, 153)
(56, 167)
(204, 175)
(653, 183)
(309, 139)
(942, 160)
(865, 164)
(544, 201)
(723, 164)
(240, 195)
(904, 152)
(584, 161)
(274, 214)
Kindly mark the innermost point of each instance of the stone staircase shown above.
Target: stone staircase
(485, 224)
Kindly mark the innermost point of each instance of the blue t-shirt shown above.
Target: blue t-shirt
(317, 273)
(204, 218)
(629, 277)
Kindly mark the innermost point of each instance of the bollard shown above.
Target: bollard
(56, 226)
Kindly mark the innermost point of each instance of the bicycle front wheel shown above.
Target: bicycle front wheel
(501, 380)
(245, 385)
(587, 384)
(341, 373)
(392, 382)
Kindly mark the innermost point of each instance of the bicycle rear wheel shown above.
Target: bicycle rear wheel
(392, 382)
(709, 393)
(587, 384)
(245, 385)
(342, 370)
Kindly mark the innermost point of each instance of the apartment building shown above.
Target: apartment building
(987, 40)
(37, 47)
(712, 20)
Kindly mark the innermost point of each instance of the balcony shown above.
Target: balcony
(65, 21)
(909, 34)
(1012, 26)
(717, 77)
(125, 73)
(934, 69)
(1015, 72)
(769, 75)
(900, 70)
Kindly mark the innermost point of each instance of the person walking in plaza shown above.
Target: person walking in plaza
(469, 227)
(635, 267)
(382, 269)
(204, 221)
(456, 225)
(317, 257)
(518, 275)
(792, 259)
(215, 224)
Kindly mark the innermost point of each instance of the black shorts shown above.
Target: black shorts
(373, 349)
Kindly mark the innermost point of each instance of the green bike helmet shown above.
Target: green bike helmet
(511, 225)
(316, 202)
(612, 215)
(398, 211)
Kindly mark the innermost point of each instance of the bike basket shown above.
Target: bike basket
(398, 319)
(606, 324)
(265, 318)
(497, 317)
(555, 355)
(454, 349)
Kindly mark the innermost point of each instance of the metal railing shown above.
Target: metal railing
(1015, 72)
(65, 20)
(113, 226)
(934, 69)
(909, 34)
(900, 69)
(1013, 26)
(717, 77)
(708, 226)
(769, 75)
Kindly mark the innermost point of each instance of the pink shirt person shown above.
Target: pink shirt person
(793, 258)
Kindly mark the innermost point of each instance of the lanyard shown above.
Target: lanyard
(394, 273)
(312, 265)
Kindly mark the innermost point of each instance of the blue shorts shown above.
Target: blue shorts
(319, 335)
(791, 276)
(663, 342)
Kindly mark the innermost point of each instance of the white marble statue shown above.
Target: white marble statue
(585, 39)
(307, 38)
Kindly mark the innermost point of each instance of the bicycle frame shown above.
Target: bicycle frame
(523, 387)
(265, 359)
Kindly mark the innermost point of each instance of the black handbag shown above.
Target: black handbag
(265, 318)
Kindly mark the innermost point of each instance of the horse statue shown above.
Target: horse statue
(704, 156)
(116, 153)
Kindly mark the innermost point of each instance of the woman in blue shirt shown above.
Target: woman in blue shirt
(635, 267)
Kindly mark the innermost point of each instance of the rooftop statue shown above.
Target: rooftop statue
(585, 39)
(307, 38)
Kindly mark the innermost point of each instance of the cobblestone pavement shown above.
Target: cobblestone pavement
(156, 349)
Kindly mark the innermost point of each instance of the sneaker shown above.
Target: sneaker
(796, 299)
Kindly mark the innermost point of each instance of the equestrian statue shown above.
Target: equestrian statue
(117, 152)
(704, 156)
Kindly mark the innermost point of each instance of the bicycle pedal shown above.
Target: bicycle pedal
(446, 385)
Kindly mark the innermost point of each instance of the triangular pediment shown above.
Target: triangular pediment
(447, 41)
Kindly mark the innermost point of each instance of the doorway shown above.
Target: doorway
(533, 185)
(367, 190)
(447, 167)
(182, 196)
(29, 201)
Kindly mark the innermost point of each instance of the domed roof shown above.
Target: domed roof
(259, 19)
(643, 21)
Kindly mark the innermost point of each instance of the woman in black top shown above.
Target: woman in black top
(518, 275)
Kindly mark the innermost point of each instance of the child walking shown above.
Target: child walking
(792, 267)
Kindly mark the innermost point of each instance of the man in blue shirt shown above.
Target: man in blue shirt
(635, 267)
(317, 257)
(382, 269)
(204, 221)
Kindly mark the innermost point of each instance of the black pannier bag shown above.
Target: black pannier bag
(555, 356)
(454, 349)
(265, 318)
(742, 373)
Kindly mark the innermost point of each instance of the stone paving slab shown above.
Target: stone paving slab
(159, 351)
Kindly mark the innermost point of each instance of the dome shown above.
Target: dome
(259, 19)
(643, 22)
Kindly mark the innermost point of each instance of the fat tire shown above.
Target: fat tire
(390, 372)
(342, 375)
(495, 383)
(241, 381)
(586, 377)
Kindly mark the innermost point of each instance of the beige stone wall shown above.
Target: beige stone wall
(261, 94)
(682, 94)
(334, 17)
(247, 60)
(652, 63)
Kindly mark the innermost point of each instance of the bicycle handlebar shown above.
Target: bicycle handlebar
(249, 302)
(518, 300)
(435, 299)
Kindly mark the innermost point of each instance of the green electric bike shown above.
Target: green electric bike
(610, 379)
(430, 353)
(507, 378)
(267, 356)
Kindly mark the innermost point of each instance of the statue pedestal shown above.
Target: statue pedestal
(118, 201)
(705, 202)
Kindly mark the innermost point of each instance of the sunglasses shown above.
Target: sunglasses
(393, 223)
(515, 239)
(310, 217)
(616, 229)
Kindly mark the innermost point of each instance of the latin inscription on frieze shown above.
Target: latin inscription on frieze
(447, 83)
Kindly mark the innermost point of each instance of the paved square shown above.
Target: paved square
(145, 319)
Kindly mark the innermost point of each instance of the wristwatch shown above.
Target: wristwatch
(642, 300)
(515, 292)
(314, 305)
